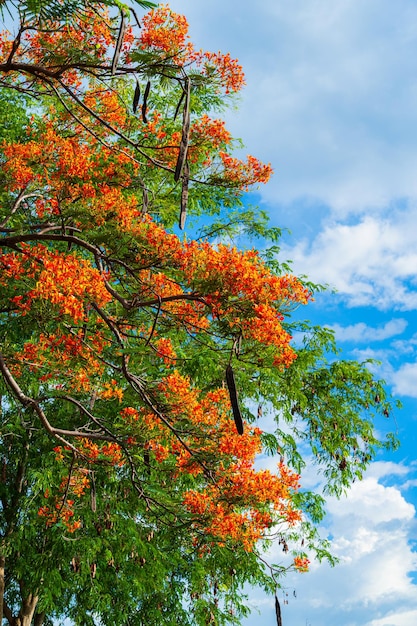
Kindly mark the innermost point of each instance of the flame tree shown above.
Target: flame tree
(138, 365)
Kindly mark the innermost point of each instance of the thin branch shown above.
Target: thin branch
(65, 496)
(15, 46)
(118, 133)
(26, 401)
(137, 385)
(113, 148)
(154, 322)
(12, 241)
(58, 433)
(22, 196)
(87, 413)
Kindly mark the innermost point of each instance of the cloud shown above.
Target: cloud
(382, 469)
(372, 261)
(361, 332)
(372, 529)
(405, 346)
(371, 500)
(398, 618)
(331, 94)
(405, 380)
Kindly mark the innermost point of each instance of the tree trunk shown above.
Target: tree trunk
(39, 619)
(2, 563)
(26, 613)
(27, 610)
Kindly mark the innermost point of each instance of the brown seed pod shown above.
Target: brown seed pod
(184, 195)
(278, 611)
(230, 380)
(136, 97)
(119, 43)
(145, 101)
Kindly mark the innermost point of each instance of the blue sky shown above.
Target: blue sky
(331, 102)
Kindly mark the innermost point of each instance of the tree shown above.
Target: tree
(136, 363)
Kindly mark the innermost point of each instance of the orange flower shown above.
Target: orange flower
(165, 350)
(301, 564)
(164, 30)
(63, 279)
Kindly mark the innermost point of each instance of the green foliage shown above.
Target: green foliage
(14, 116)
(47, 10)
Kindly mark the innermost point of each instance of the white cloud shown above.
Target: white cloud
(331, 95)
(371, 262)
(398, 618)
(361, 332)
(370, 500)
(372, 528)
(406, 346)
(382, 469)
(400, 376)
(405, 380)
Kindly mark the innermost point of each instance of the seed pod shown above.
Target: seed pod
(145, 101)
(93, 496)
(278, 611)
(146, 461)
(342, 464)
(75, 565)
(119, 43)
(230, 380)
(184, 196)
(145, 201)
(186, 120)
(136, 97)
(93, 501)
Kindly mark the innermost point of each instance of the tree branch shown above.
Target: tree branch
(21, 196)
(8, 614)
(26, 401)
(12, 241)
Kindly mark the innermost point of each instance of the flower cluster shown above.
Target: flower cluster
(230, 71)
(243, 175)
(91, 35)
(68, 361)
(255, 502)
(224, 282)
(65, 280)
(162, 29)
(60, 508)
(241, 503)
(62, 513)
(167, 32)
(301, 563)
